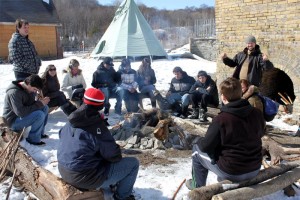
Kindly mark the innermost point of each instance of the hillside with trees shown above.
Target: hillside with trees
(87, 20)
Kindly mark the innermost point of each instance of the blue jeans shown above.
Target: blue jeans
(37, 120)
(174, 97)
(122, 174)
(149, 89)
(202, 163)
(131, 100)
(113, 92)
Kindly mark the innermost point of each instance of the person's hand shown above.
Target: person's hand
(132, 90)
(77, 86)
(208, 88)
(223, 55)
(45, 100)
(265, 57)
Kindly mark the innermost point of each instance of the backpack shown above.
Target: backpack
(270, 107)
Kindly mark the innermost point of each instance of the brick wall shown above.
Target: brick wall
(205, 48)
(276, 26)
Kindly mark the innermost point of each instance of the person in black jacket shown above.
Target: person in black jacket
(106, 79)
(232, 145)
(51, 89)
(250, 63)
(205, 92)
(88, 156)
(146, 79)
(179, 92)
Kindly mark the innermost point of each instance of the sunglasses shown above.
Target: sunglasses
(53, 69)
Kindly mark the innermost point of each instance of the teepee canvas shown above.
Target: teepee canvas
(129, 34)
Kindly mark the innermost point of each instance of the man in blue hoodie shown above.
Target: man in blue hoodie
(88, 156)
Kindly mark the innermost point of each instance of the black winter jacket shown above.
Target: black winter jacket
(202, 88)
(183, 85)
(256, 65)
(234, 138)
(86, 148)
(104, 77)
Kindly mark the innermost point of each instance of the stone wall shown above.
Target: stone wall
(205, 48)
(276, 26)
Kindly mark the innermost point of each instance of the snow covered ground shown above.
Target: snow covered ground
(153, 182)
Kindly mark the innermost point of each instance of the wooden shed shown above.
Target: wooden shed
(43, 23)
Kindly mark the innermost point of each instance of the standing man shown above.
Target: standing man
(205, 92)
(22, 53)
(88, 156)
(21, 109)
(232, 145)
(249, 63)
(179, 92)
(106, 79)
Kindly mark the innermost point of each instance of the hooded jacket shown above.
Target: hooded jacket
(19, 103)
(86, 148)
(202, 88)
(256, 65)
(23, 55)
(104, 77)
(233, 139)
(183, 85)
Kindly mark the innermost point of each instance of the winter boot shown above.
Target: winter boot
(195, 114)
(202, 115)
(153, 104)
(68, 108)
(106, 109)
(162, 102)
(184, 112)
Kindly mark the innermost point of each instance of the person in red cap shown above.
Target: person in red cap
(88, 156)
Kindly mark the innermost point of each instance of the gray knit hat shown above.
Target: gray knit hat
(250, 39)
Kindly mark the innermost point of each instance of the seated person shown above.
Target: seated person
(129, 86)
(88, 156)
(73, 83)
(232, 145)
(179, 92)
(106, 79)
(21, 109)
(146, 80)
(205, 92)
(250, 93)
(51, 88)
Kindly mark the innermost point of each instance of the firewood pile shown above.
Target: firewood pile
(152, 129)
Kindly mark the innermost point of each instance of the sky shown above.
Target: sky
(157, 182)
(167, 4)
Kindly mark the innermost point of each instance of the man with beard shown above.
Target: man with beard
(249, 63)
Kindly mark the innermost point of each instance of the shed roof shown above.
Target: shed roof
(34, 11)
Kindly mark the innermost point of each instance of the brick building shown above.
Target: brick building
(276, 26)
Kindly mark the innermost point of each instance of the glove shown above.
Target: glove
(77, 86)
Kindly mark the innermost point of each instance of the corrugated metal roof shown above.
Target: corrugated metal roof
(34, 11)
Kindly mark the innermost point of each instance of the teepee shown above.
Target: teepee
(129, 34)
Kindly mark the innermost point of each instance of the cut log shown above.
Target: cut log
(190, 127)
(277, 152)
(37, 180)
(262, 189)
(208, 191)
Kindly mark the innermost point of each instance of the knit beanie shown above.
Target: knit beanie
(93, 96)
(250, 39)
